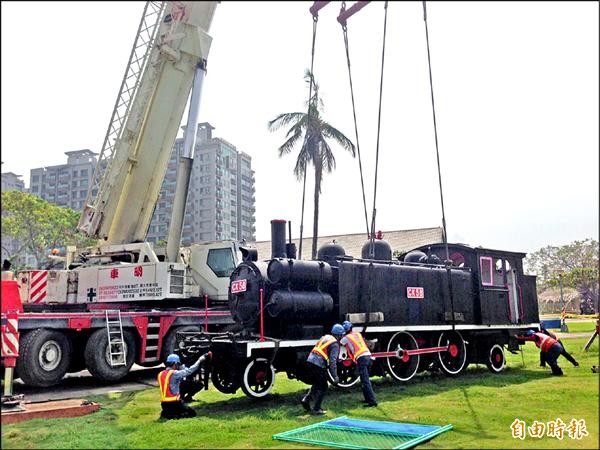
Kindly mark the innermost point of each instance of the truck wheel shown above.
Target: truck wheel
(169, 344)
(44, 357)
(97, 356)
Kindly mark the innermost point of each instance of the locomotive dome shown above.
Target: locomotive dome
(328, 252)
(381, 249)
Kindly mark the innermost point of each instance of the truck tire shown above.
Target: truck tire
(169, 342)
(44, 357)
(97, 357)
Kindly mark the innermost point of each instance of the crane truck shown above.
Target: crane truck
(123, 301)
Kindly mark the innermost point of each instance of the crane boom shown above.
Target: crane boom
(133, 173)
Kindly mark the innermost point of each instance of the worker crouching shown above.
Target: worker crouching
(323, 355)
(549, 346)
(169, 381)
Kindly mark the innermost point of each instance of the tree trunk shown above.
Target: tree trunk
(318, 175)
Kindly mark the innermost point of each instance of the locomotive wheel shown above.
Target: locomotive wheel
(403, 368)
(453, 361)
(495, 360)
(346, 369)
(258, 378)
(224, 378)
(44, 357)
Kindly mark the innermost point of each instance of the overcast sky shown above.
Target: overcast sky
(515, 85)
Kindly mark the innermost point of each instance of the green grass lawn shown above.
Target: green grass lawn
(480, 405)
(581, 327)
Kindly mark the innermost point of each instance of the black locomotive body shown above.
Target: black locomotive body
(436, 307)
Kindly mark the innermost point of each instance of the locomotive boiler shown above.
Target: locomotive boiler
(437, 307)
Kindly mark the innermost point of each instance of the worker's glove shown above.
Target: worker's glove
(204, 357)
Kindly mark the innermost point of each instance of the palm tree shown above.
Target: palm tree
(315, 148)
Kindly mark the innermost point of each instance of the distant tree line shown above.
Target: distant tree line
(575, 265)
(38, 226)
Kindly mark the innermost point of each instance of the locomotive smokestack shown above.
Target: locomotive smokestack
(278, 239)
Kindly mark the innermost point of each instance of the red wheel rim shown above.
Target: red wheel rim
(453, 349)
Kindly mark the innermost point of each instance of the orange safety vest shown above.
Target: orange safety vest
(544, 342)
(321, 347)
(359, 345)
(165, 390)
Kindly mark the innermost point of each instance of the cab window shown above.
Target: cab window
(220, 260)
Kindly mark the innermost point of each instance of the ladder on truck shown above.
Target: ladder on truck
(116, 343)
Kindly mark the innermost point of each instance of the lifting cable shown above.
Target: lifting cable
(447, 262)
(372, 243)
(342, 20)
(345, 32)
(372, 237)
(315, 16)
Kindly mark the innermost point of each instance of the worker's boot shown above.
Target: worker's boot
(317, 410)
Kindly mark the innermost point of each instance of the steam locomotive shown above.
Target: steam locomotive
(437, 307)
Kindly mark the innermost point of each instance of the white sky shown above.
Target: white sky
(515, 85)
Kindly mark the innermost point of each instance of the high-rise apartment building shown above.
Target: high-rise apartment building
(12, 182)
(220, 203)
(67, 184)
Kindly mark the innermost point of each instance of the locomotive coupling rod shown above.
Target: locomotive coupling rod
(404, 354)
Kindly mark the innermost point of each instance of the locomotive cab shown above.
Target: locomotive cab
(504, 293)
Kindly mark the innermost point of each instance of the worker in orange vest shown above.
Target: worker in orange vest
(360, 354)
(549, 346)
(564, 353)
(169, 381)
(324, 354)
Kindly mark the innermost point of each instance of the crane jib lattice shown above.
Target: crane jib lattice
(344, 432)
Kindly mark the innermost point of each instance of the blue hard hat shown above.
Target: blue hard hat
(530, 332)
(173, 358)
(347, 325)
(337, 329)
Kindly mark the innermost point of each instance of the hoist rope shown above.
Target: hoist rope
(372, 237)
(362, 184)
(437, 151)
(372, 243)
(447, 262)
(312, 62)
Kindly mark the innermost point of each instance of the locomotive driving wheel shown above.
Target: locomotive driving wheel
(453, 360)
(225, 379)
(258, 378)
(495, 360)
(402, 367)
(346, 369)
